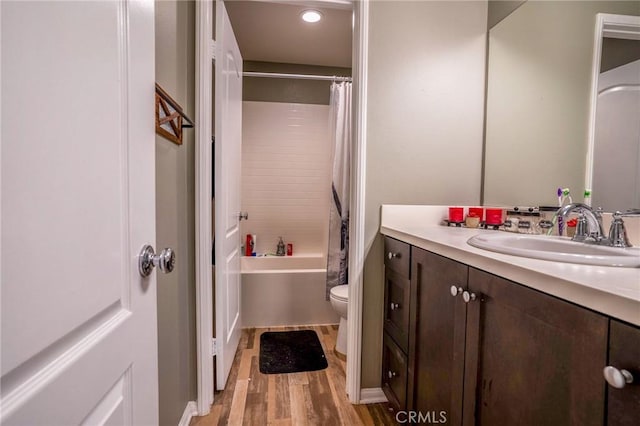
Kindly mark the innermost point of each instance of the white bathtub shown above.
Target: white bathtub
(287, 290)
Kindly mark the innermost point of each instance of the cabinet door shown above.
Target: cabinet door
(623, 407)
(537, 360)
(436, 352)
(396, 307)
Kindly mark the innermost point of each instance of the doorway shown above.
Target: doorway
(357, 224)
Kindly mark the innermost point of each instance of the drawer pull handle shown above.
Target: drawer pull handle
(393, 255)
(394, 306)
(392, 374)
(617, 378)
(468, 297)
(456, 290)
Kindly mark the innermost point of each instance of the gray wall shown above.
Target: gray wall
(175, 68)
(425, 126)
(288, 90)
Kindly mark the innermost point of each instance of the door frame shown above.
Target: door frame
(205, 56)
(360, 61)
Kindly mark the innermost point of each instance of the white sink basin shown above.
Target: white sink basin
(559, 249)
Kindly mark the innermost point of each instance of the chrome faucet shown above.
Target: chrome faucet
(589, 224)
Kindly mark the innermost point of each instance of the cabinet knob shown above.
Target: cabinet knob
(468, 297)
(391, 374)
(392, 255)
(617, 378)
(394, 306)
(455, 290)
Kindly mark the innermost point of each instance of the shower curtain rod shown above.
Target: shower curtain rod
(295, 76)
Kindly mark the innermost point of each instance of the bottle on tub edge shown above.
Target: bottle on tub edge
(280, 250)
(250, 245)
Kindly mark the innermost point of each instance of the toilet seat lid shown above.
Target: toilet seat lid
(340, 292)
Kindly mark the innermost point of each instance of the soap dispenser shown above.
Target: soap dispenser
(280, 251)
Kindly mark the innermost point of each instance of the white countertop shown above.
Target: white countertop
(613, 291)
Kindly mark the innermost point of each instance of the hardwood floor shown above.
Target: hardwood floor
(309, 398)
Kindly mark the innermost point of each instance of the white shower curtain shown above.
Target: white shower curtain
(340, 122)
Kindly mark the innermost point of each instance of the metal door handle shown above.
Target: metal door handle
(147, 260)
(393, 255)
(243, 215)
(391, 374)
(394, 306)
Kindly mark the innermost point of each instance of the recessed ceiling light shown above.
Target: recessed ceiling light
(311, 16)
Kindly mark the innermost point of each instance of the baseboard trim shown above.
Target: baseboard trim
(372, 396)
(190, 411)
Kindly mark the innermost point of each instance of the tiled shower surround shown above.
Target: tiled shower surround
(286, 175)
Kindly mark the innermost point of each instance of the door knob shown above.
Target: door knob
(147, 260)
(617, 378)
(393, 255)
(243, 215)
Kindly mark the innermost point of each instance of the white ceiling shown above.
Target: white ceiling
(272, 31)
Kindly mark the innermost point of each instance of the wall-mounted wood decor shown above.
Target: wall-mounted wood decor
(170, 119)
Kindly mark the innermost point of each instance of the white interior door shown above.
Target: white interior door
(228, 146)
(79, 334)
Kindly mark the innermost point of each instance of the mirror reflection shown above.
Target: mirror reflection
(539, 81)
(616, 134)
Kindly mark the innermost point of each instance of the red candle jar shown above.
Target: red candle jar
(494, 217)
(456, 214)
(289, 249)
(477, 212)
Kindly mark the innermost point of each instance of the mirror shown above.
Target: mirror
(539, 81)
(613, 156)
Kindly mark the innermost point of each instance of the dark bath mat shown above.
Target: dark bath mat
(291, 352)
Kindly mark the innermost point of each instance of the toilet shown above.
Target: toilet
(339, 301)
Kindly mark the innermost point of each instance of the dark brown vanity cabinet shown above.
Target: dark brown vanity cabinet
(489, 351)
(396, 320)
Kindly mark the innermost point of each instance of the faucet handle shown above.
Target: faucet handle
(617, 232)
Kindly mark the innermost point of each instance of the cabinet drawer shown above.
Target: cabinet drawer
(394, 373)
(396, 307)
(397, 256)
